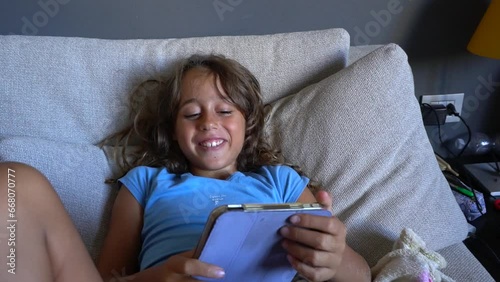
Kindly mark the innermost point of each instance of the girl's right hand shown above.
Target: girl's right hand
(183, 266)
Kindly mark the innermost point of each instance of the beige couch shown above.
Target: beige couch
(347, 115)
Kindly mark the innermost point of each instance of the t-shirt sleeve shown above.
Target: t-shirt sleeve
(138, 182)
(288, 182)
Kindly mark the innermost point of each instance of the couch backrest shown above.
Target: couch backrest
(74, 89)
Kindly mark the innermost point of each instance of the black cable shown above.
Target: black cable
(475, 199)
(485, 244)
(439, 128)
(451, 177)
(469, 135)
(495, 161)
(452, 111)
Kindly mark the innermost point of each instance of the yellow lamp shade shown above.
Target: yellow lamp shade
(486, 40)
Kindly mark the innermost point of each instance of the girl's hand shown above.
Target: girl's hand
(182, 267)
(315, 244)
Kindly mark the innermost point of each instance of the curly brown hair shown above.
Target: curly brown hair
(154, 116)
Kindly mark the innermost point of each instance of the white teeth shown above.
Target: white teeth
(212, 144)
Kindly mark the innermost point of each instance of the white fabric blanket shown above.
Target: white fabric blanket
(410, 260)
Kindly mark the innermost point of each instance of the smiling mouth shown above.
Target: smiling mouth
(211, 144)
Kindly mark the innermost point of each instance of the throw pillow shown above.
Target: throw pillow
(359, 132)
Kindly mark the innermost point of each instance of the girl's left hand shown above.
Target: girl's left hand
(315, 244)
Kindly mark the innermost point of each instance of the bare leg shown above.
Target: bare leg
(38, 240)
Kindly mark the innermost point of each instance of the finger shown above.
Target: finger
(325, 200)
(183, 263)
(326, 224)
(213, 269)
(309, 272)
(312, 257)
(311, 238)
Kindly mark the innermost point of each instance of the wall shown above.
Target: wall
(433, 33)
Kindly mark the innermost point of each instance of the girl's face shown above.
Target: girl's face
(210, 130)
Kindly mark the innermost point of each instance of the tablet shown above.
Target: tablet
(244, 240)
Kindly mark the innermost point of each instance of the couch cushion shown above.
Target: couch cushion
(74, 89)
(358, 52)
(77, 173)
(360, 133)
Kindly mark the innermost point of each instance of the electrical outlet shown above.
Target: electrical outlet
(456, 99)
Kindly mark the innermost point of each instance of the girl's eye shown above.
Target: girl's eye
(191, 116)
(226, 112)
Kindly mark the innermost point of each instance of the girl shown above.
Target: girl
(201, 146)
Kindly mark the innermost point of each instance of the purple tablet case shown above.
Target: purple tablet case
(247, 245)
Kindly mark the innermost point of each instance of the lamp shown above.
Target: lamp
(486, 40)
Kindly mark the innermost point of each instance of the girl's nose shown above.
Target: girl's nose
(208, 122)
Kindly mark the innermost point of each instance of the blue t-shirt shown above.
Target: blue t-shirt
(177, 206)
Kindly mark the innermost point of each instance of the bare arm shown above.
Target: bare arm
(120, 251)
(317, 246)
